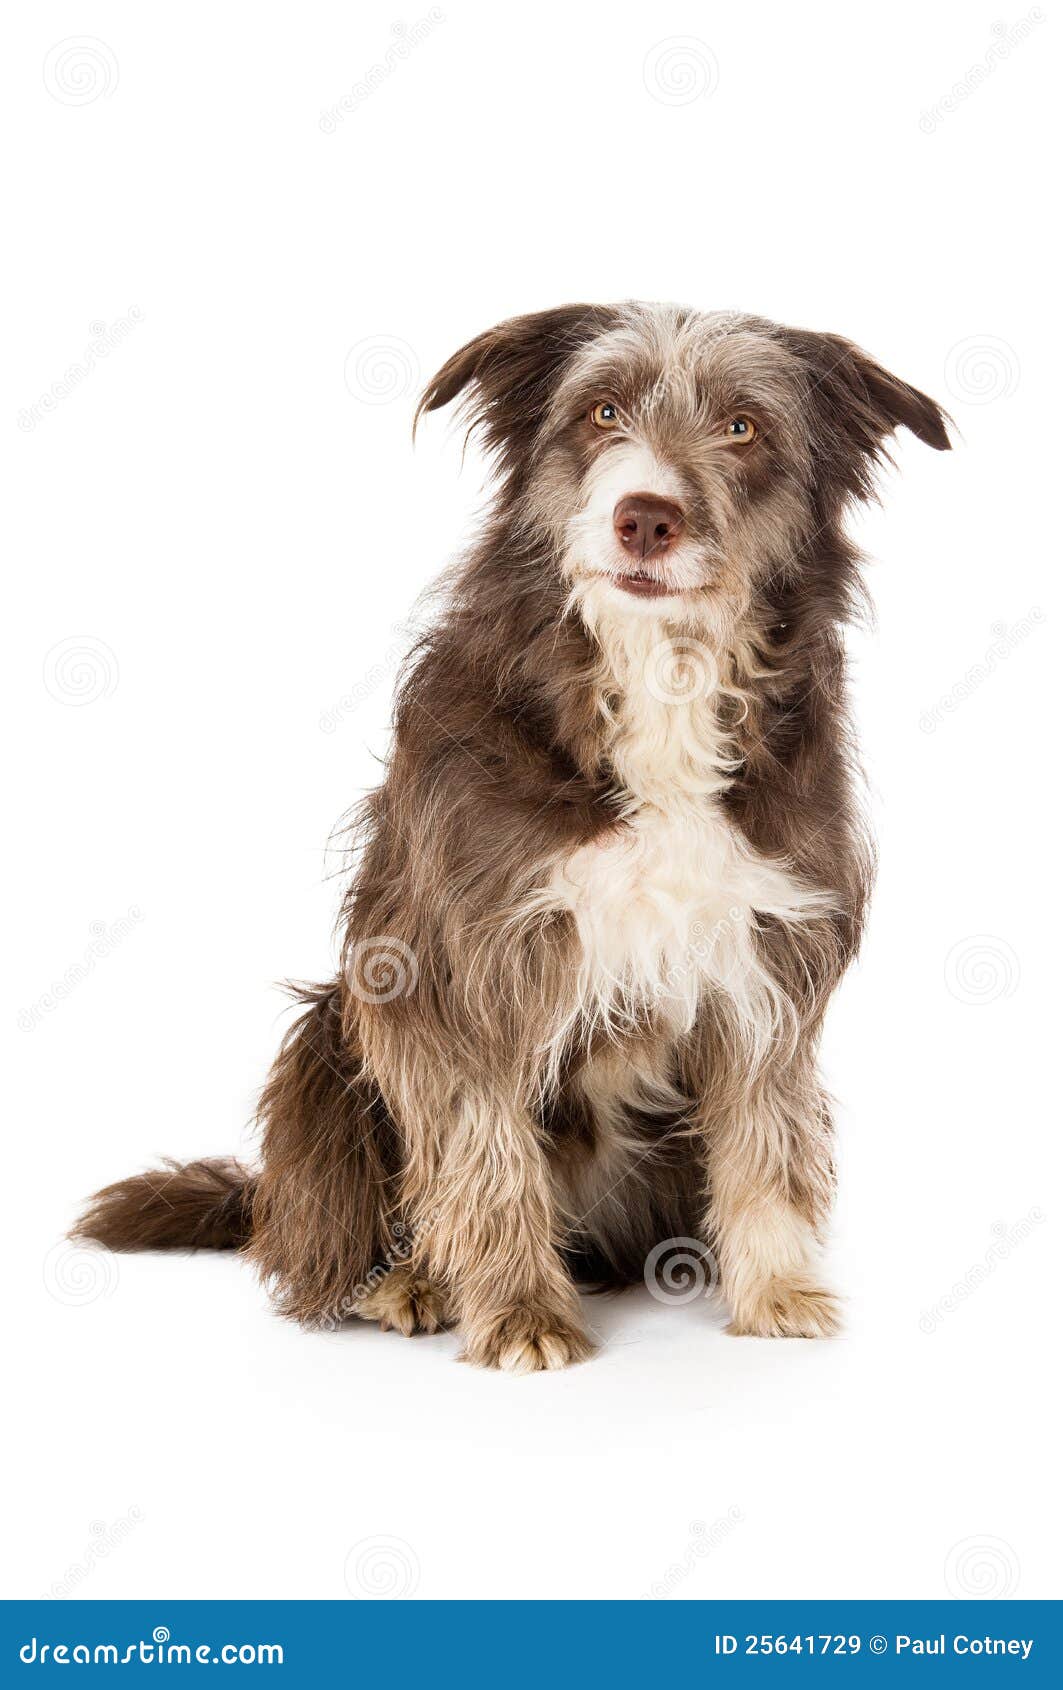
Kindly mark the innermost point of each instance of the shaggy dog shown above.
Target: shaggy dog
(613, 874)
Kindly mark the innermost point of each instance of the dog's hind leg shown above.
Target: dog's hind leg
(320, 1218)
(402, 1300)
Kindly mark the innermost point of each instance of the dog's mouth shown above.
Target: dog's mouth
(643, 586)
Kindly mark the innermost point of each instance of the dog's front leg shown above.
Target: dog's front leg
(770, 1183)
(490, 1234)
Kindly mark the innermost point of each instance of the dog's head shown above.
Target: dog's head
(672, 464)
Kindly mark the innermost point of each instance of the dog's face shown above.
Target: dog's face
(670, 463)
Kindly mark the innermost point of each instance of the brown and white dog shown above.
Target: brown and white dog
(614, 871)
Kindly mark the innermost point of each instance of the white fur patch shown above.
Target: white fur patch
(666, 910)
(667, 906)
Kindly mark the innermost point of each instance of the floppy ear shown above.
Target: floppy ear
(508, 372)
(859, 404)
(896, 404)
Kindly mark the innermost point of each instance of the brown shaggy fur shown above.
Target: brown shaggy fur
(477, 1080)
(196, 1205)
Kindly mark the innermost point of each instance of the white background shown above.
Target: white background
(231, 533)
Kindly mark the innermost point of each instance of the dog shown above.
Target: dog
(614, 871)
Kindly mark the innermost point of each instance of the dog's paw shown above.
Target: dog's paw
(528, 1341)
(787, 1308)
(404, 1302)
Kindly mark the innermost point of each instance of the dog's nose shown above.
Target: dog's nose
(647, 526)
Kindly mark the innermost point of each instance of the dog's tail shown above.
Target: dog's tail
(317, 1218)
(191, 1206)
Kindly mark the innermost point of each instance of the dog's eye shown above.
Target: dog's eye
(605, 414)
(741, 430)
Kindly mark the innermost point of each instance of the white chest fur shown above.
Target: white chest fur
(666, 906)
(666, 909)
